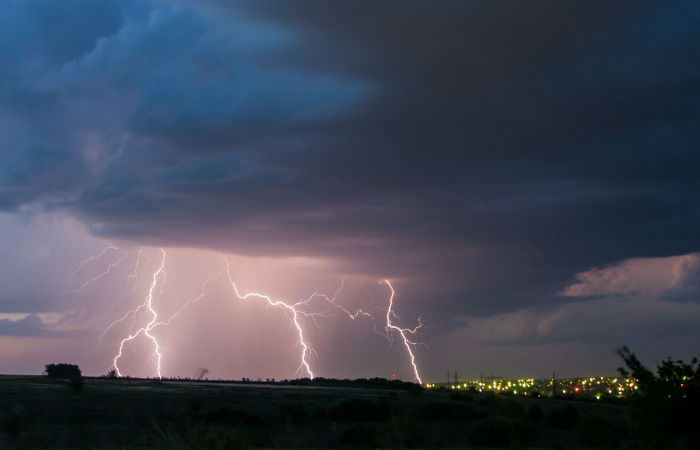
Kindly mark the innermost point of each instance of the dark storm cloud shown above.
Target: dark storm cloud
(487, 149)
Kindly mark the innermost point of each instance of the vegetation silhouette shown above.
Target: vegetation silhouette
(667, 405)
(62, 370)
(330, 413)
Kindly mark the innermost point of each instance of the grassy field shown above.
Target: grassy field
(36, 412)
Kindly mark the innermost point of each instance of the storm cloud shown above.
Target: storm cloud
(483, 152)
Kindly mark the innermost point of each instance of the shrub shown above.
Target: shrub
(667, 407)
(62, 370)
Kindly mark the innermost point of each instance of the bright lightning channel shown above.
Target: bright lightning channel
(403, 331)
(146, 329)
(292, 309)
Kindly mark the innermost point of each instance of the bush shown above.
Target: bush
(667, 407)
(62, 370)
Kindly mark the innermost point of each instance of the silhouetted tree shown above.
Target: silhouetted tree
(62, 370)
(667, 404)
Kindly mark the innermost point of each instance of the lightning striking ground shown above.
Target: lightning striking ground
(410, 345)
(291, 309)
(146, 329)
(297, 311)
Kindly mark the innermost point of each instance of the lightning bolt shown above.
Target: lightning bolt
(410, 345)
(130, 278)
(332, 301)
(146, 329)
(104, 273)
(294, 316)
(78, 267)
(353, 316)
(196, 299)
(301, 310)
(134, 273)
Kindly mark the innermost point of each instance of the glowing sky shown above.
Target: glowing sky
(525, 173)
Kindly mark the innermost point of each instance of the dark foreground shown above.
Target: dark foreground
(36, 412)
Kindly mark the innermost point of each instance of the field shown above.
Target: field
(36, 412)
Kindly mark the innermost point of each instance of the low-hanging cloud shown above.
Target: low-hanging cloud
(646, 276)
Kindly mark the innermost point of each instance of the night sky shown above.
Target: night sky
(526, 173)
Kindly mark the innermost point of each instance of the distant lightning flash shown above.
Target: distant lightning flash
(78, 267)
(134, 273)
(131, 278)
(196, 299)
(332, 301)
(104, 273)
(403, 331)
(146, 329)
(292, 309)
(358, 312)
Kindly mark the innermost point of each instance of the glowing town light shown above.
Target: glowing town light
(291, 309)
(403, 331)
(145, 330)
